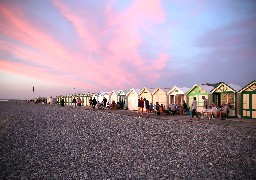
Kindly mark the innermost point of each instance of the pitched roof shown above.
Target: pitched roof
(205, 87)
(132, 89)
(151, 90)
(182, 89)
(232, 86)
(166, 90)
(248, 86)
(122, 91)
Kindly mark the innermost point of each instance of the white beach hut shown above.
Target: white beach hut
(177, 94)
(113, 96)
(132, 97)
(160, 96)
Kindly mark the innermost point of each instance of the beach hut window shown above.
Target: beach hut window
(228, 98)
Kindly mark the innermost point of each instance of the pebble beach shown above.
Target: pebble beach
(53, 142)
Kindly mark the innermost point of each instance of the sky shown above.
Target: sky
(63, 47)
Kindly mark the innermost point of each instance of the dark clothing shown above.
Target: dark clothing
(94, 102)
(185, 106)
(147, 104)
(194, 113)
(142, 103)
(74, 100)
(104, 102)
(139, 103)
(62, 102)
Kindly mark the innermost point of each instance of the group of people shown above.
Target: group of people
(158, 109)
(210, 111)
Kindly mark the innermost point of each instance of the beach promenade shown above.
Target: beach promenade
(54, 142)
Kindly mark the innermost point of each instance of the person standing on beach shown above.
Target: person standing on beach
(206, 103)
(142, 105)
(194, 107)
(74, 101)
(139, 107)
(94, 102)
(62, 102)
(105, 102)
(147, 106)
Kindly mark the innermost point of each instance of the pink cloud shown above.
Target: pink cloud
(38, 73)
(109, 56)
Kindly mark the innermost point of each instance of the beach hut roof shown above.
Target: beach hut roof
(205, 87)
(253, 83)
(183, 89)
(123, 91)
(132, 89)
(151, 90)
(113, 91)
(166, 90)
(232, 86)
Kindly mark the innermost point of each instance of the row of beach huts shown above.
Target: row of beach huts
(242, 101)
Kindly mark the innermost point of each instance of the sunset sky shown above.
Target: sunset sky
(63, 47)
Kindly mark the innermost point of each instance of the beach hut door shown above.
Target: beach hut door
(253, 105)
(246, 108)
(217, 99)
(171, 98)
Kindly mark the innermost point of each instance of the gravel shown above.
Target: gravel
(52, 142)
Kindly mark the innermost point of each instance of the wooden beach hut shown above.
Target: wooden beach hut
(86, 99)
(248, 101)
(51, 100)
(160, 96)
(100, 96)
(132, 97)
(113, 96)
(177, 95)
(121, 97)
(227, 93)
(147, 93)
(198, 91)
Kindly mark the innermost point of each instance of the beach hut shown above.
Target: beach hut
(160, 96)
(113, 96)
(100, 96)
(122, 98)
(51, 100)
(199, 91)
(147, 93)
(248, 100)
(59, 99)
(69, 99)
(177, 95)
(132, 97)
(86, 99)
(227, 93)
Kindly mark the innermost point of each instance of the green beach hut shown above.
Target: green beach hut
(248, 100)
(199, 91)
(227, 93)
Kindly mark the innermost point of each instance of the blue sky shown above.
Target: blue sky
(93, 46)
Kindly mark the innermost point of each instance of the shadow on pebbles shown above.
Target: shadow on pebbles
(50, 142)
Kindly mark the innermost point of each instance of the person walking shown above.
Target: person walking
(194, 107)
